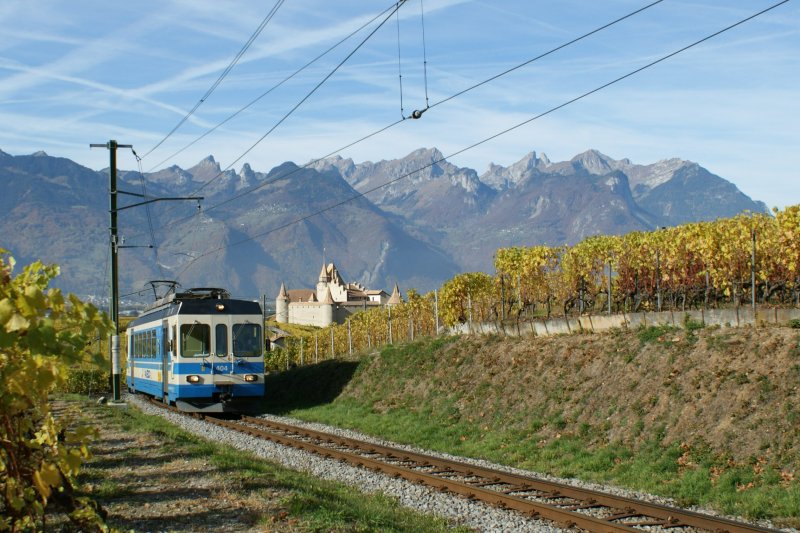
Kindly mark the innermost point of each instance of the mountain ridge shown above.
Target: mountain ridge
(416, 220)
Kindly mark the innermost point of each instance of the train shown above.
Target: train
(199, 350)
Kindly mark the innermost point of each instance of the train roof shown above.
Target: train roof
(203, 301)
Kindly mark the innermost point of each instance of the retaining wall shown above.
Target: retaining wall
(742, 316)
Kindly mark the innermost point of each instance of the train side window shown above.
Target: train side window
(137, 344)
(195, 340)
(221, 341)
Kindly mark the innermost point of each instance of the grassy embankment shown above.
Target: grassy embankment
(238, 482)
(707, 416)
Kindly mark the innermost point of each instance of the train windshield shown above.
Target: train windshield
(195, 340)
(221, 336)
(246, 340)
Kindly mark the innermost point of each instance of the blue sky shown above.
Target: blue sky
(75, 73)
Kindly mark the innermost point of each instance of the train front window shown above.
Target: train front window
(246, 340)
(195, 340)
(221, 342)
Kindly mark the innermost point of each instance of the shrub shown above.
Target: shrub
(85, 381)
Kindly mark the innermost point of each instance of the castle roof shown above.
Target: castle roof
(323, 274)
(302, 295)
(282, 294)
(395, 298)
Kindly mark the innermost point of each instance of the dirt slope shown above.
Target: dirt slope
(734, 390)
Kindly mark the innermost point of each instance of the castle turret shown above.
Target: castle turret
(282, 306)
(322, 284)
(323, 274)
(395, 298)
(326, 309)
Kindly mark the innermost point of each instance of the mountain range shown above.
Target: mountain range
(416, 221)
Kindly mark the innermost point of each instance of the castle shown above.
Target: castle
(332, 301)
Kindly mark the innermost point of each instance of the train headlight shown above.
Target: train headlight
(193, 379)
(250, 378)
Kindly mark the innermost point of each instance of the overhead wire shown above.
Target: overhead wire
(424, 51)
(293, 109)
(395, 6)
(222, 76)
(400, 68)
(393, 124)
(487, 139)
(153, 242)
(274, 87)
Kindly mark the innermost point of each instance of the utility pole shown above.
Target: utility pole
(114, 303)
(112, 146)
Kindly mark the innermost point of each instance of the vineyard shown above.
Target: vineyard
(749, 259)
(43, 334)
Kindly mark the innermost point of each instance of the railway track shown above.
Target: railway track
(567, 505)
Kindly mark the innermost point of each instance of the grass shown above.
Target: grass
(314, 504)
(386, 397)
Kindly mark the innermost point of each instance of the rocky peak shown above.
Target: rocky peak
(501, 178)
(593, 162)
(645, 177)
(247, 172)
(246, 176)
(205, 169)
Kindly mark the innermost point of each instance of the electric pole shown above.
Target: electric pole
(112, 146)
(114, 303)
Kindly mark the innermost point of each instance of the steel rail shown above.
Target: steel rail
(533, 509)
(667, 516)
(653, 514)
(565, 501)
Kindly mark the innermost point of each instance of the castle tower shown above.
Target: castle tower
(326, 308)
(395, 298)
(322, 284)
(282, 306)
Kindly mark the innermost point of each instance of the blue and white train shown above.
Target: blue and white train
(199, 350)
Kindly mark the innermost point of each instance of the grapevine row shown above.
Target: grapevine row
(703, 264)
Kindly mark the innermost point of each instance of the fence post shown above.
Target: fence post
(469, 310)
(411, 329)
(390, 324)
(609, 287)
(658, 281)
(436, 309)
(753, 276)
(302, 360)
(316, 348)
(502, 298)
(349, 337)
(333, 352)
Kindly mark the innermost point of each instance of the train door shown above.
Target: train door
(164, 348)
(131, 362)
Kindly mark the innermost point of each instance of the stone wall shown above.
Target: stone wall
(559, 326)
